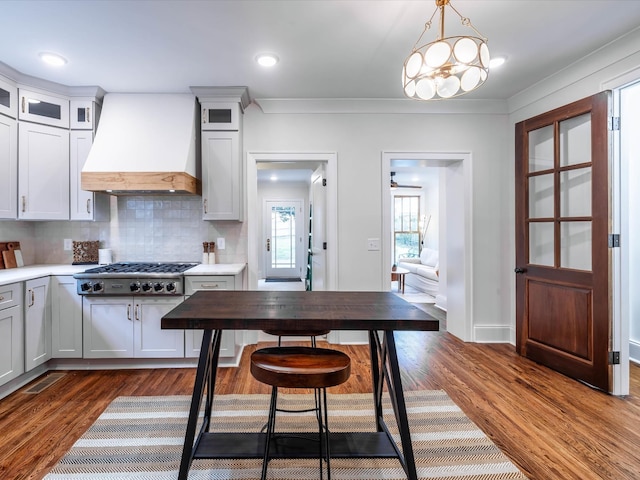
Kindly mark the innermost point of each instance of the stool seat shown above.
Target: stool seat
(291, 333)
(300, 367)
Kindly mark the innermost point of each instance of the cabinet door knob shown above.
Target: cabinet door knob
(24, 101)
(205, 206)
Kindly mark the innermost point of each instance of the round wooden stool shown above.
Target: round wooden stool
(300, 367)
(290, 333)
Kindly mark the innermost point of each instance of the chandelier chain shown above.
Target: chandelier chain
(466, 22)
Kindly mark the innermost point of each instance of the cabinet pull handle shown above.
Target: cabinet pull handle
(205, 206)
(88, 205)
(210, 285)
(128, 311)
(24, 203)
(33, 298)
(88, 110)
(204, 115)
(23, 104)
(136, 312)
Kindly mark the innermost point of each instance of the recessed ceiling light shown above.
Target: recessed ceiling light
(496, 62)
(53, 59)
(267, 59)
(273, 178)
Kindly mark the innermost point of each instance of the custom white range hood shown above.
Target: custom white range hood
(145, 144)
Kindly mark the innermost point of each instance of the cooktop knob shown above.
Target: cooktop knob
(158, 287)
(170, 286)
(135, 286)
(85, 287)
(98, 286)
(146, 287)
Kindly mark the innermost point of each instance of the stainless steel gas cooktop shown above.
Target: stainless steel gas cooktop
(133, 278)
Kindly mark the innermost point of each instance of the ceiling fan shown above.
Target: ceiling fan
(394, 184)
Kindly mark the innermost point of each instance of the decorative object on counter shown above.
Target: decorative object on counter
(85, 253)
(11, 255)
(105, 256)
(208, 253)
(212, 253)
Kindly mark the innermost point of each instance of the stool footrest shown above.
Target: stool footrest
(251, 445)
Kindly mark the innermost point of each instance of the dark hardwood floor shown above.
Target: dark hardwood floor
(550, 426)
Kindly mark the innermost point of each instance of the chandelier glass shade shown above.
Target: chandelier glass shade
(448, 66)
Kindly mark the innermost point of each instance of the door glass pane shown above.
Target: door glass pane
(541, 243)
(541, 196)
(406, 222)
(575, 245)
(575, 193)
(541, 149)
(283, 233)
(45, 109)
(575, 140)
(4, 98)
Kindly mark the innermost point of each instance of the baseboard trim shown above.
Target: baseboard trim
(493, 334)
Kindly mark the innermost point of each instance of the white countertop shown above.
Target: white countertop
(217, 269)
(22, 274)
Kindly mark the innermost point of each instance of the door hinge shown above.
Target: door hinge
(614, 240)
(324, 182)
(614, 358)
(324, 245)
(614, 123)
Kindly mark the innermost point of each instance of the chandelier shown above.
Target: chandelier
(448, 66)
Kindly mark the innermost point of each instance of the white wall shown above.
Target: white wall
(359, 140)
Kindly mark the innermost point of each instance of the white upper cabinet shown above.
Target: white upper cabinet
(221, 176)
(8, 167)
(8, 98)
(42, 108)
(84, 205)
(83, 114)
(43, 181)
(220, 116)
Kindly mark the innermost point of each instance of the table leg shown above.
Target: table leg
(205, 381)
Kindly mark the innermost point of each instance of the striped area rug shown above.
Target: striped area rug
(140, 438)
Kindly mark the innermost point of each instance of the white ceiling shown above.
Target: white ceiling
(327, 48)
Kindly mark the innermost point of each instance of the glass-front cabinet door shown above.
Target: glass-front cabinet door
(82, 114)
(46, 109)
(8, 98)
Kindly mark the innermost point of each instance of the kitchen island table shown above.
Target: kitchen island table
(379, 313)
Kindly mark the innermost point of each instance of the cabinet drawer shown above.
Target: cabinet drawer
(10, 295)
(214, 282)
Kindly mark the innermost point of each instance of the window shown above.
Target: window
(406, 229)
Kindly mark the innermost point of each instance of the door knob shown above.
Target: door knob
(519, 270)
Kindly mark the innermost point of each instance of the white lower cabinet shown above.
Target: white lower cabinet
(66, 318)
(193, 338)
(129, 327)
(37, 323)
(11, 332)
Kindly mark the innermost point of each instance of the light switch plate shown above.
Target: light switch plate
(220, 243)
(373, 244)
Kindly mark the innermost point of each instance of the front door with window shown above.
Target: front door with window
(563, 313)
(283, 243)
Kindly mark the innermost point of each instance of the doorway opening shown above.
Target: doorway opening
(296, 174)
(453, 240)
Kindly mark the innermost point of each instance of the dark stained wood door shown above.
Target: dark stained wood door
(563, 314)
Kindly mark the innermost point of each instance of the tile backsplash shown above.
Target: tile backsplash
(142, 228)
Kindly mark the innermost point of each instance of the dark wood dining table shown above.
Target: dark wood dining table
(381, 314)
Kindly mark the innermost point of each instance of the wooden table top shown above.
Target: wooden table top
(260, 310)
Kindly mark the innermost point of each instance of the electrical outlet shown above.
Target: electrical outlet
(220, 243)
(373, 244)
(68, 244)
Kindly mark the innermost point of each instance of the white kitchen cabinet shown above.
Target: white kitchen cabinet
(8, 98)
(11, 332)
(221, 175)
(83, 114)
(220, 116)
(66, 318)
(37, 323)
(43, 172)
(8, 167)
(193, 338)
(129, 327)
(84, 205)
(43, 108)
